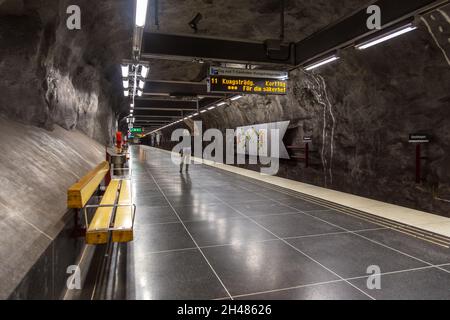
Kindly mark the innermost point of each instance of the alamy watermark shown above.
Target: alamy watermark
(374, 20)
(74, 280)
(374, 280)
(73, 22)
(257, 145)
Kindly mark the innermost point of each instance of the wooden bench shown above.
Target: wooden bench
(123, 223)
(79, 194)
(98, 229)
(115, 213)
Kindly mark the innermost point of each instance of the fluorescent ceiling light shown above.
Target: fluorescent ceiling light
(139, 93)
(141, 12)
(221, 104)
(236, 98)
(321, 62)
(144, 71)
(385, 37)
(185, 118)
(141, 84)
(203, 111)
(125, 84)
(190, 116)
(211, 108)
(126, 93)
(124, 70)
(195, 114)
(132, 105)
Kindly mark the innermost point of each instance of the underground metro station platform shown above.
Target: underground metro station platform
(249, 153)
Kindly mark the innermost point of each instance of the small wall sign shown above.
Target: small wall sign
(419, 138)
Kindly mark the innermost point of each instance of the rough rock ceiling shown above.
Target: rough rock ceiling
(253, 19)
(52, 75)
(250, 20)
(106, 36)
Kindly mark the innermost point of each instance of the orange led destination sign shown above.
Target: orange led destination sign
(232, 84)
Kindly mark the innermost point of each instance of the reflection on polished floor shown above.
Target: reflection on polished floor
(211, 234)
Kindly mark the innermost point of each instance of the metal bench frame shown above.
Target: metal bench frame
(109, 206)
(115, 206)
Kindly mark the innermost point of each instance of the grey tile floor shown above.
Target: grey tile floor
(208, 234)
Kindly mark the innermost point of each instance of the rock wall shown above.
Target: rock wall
(360, 111)
(60, 95)
(53, 75)
(35, 173)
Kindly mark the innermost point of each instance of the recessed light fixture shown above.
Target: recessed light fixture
(321, 62)
(141, 84)
(144, 71)
(139, 93)
(126, 93)
(125, 84)
(125, 70)
(141, 12)
(386, 36)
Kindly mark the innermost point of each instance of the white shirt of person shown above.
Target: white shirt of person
(186, 152)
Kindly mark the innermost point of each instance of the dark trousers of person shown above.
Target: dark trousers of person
(184, 160)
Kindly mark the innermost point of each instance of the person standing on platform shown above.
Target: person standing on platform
(185, 154)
